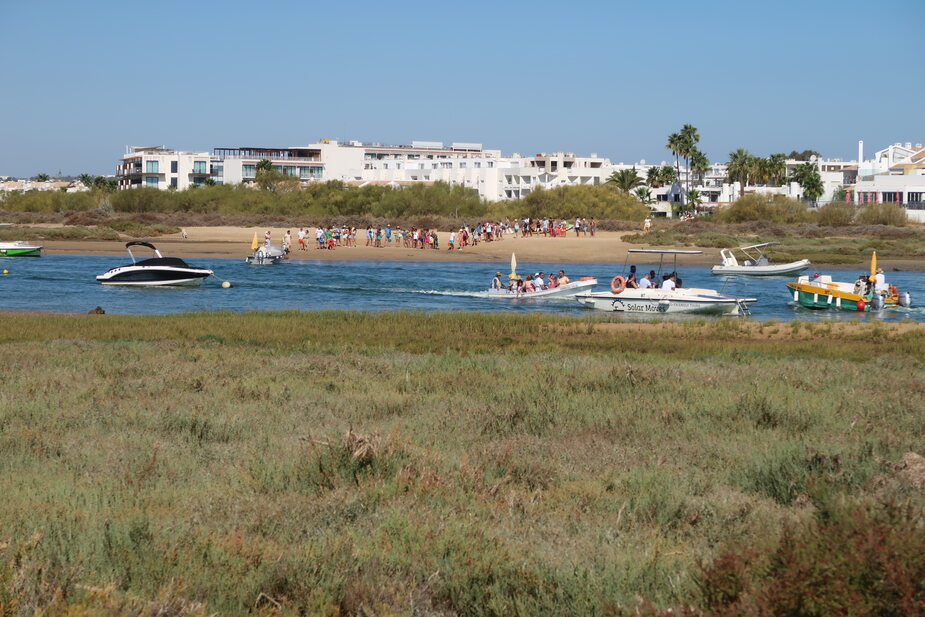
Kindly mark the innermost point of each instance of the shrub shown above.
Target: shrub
(771, 208)
(859, 561)
(835, 214)
(883, 214)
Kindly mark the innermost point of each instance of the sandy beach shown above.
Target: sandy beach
(235, 242)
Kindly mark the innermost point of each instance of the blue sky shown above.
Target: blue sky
(83, 80)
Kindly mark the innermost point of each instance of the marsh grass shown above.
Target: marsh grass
(202, 463)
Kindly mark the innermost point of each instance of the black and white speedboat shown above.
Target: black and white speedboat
(158, 270)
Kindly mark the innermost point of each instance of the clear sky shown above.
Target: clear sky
(81, 80)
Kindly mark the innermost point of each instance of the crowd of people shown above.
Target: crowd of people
(330, 238)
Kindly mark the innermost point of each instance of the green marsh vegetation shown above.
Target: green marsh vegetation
(342, 463)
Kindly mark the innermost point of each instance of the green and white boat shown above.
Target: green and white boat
(20, 249)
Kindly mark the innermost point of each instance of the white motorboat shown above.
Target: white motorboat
(511, 292)
(157, 270)
(680, 300)
(564, 291)
(755, 263)
(263, 255)
(266, 255)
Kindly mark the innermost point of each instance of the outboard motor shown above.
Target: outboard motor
(877, 302)
(905, 299)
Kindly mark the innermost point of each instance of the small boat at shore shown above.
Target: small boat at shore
(756, 263)
(622, 299)
(20, 249)
(821, 292)
(156, 271)
(262, 255)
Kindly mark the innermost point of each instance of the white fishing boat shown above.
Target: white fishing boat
(514, 291)
(755, 263)
(622, 299)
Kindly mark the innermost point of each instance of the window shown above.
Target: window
(914, 198)
(199, 167)
(151, 167)
(173, 167)
(248, 171)
(173, 182)
(462, 164)
(151, 181)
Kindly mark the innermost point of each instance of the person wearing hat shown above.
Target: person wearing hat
(879, 282)
(496, 282)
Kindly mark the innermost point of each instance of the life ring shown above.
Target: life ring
(893, 292)
(613, 284)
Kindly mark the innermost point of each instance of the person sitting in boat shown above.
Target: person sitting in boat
(669, 282)
(496, 282)
(518, 286)
(645, 282)
(529, 285)
(562, 280)
(860, 285)
(631, 281)
(539, 282)
(553, 282)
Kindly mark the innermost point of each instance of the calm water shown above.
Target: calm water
(67, 283)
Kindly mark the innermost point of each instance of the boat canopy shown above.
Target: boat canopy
(140, 243)
(757, 246)
(666, 251)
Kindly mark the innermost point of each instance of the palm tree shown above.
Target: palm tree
(689, 139)
(694, 199)
(807, 176)
(625, 179)
(739, 167)
(264, 165)
(700, 164)
(644, 194)
(676, 145)
(86, 180)
(667, 175)
(776, 168)
(41, 177)
(654, 177)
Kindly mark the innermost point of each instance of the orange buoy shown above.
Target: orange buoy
(617, 284)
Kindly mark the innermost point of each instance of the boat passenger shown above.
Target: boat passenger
(528, 284)
(669, 282)
(539, 282)
(645, 282)
(496, 282)
(880, 282)
(860, 285)
(563, 280)
(631, 281)
(553, 283)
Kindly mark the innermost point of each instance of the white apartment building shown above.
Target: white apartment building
(895, 174)
(161, 168)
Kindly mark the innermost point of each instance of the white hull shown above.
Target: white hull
(794, 267)
(697, 301)
(565, 291)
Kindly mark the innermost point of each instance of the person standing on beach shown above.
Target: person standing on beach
(301, 238)
(266, 239)
(647, 224)
(388, 234)
(287, 241)
(451, 241)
